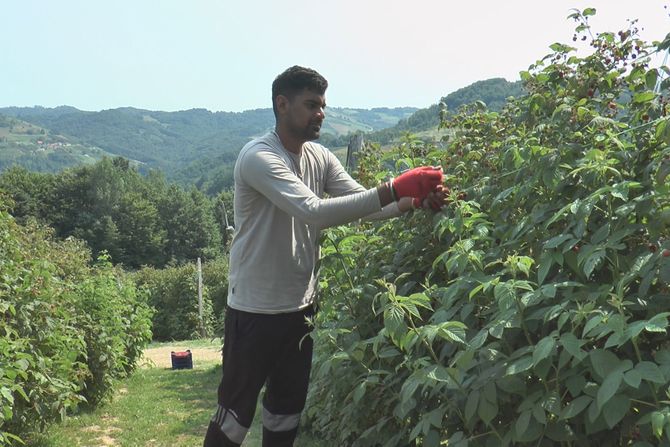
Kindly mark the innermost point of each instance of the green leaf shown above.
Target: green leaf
(576, 406)
(593, 261)
(650, 79)
(522, 422)
(650, 371)
(609, 388)
(665, 44)
(592, 323)
(487, 410)
(661, 130)
(7, 394)
(616, 410)
(471, 405)
(432, 439)
(603, 362)
(657, 423)
(644, 97)
(478, 340)
(394, 320)
(408, 389)
(546, 261)
(539, 415)
(601, 234)
(633, 378)
(594, 411)
(543, 349)
(523, 364)
(572, 345)
(504, 293)
(557, 240)
(575, 384)
(657, 323)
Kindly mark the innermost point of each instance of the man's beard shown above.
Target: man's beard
(313, 131)
(309, 133)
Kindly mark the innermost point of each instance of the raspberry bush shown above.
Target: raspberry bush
(533, 309)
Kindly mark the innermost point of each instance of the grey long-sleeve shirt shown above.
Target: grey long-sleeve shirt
(279, 212)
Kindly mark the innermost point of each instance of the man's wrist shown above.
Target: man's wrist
(385, 194)
(394, 196)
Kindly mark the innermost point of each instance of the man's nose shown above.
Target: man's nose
(321, 113)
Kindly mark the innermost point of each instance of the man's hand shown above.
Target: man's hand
(435, 199)
(417, 182)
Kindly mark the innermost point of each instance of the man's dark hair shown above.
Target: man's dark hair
(294, 80)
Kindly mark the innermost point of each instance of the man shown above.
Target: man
(280, 183)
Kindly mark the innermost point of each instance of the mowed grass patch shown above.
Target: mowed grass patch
(157, 407)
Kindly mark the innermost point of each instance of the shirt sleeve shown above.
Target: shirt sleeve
(338, 181)
(389, 211)
(266, 172)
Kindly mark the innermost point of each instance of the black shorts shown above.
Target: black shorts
(262, 349)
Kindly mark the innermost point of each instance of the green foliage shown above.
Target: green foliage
(492, 92)
(215, 280)
(121, 311)
(533, 309)
(174, 295)
(38, 149)
(137, 220)
(69, 329)
(191, 146)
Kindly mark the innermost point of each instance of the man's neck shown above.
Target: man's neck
(289, 142)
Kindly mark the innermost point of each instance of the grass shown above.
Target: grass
(157, 407)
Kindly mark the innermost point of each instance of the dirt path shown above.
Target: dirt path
(160, 357)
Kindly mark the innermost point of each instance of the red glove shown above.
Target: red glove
(417, 182)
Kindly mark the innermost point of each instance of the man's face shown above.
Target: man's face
(305, 114)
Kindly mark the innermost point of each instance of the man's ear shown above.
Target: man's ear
(282, 103)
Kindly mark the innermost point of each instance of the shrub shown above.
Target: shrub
(54, 346)
(533, 309)
(174, 296)
(215, 279)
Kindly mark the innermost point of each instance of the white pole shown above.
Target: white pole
(202, 323)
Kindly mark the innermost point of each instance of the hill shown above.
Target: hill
(173, 142)
(39, 149)
(197, 146)
(493, 92)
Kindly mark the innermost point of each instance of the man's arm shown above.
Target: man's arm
(266, 172)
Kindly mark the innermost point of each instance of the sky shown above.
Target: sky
(223, 55)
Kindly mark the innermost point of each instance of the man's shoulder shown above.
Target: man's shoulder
(258, 146)
(264, 142)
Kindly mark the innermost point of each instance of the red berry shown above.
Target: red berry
(575, 248)
(590, 93)
(665, 253)
(645, 117)
(653, 248)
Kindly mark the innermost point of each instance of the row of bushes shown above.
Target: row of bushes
(533, 310)
(70, 327)
(173, 293)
